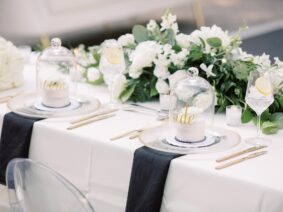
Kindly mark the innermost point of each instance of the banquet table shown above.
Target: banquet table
(101, 168)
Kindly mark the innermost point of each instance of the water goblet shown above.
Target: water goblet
(259, 96)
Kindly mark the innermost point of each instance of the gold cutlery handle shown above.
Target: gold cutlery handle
(90, 121)
(93, 116)
(5, 99)
(123, 135)
(250, 156)
(251, 149)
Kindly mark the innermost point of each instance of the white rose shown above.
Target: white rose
(126, 40)
(144, 54)
(135, 73)
(11, 65)
(93, 74)
(176, 77)
(161, 72)
(210, 32)
(183, 40)
(119, 85)
(162, 87)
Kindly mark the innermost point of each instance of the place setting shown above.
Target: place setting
(56, 86)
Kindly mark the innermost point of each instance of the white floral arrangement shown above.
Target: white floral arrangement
(11, 65)
(158, 56)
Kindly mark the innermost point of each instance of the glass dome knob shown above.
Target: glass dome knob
(193, 72)
(56, 42)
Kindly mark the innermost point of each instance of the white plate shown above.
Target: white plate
(157, 138)
(29, 105)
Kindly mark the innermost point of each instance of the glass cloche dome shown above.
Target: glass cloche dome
(56, 74)
(191, 108)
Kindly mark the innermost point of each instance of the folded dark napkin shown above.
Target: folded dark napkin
(15, 139)
(148, 177)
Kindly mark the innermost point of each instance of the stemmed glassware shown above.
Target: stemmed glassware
(259, 96)
(112, 63)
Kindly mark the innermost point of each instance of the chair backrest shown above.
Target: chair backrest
(34, 187)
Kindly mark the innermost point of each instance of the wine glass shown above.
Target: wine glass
(112, 63)
(259, 96)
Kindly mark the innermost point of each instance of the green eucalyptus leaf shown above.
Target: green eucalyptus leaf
(153, 91)
(277, 118)
(195, 53)
(265, 116)
(241, 70)
(169, 37)
(126, 94)
(214, 42)
(140, 33)
(269, 127)
(280, 100)
(247, 116)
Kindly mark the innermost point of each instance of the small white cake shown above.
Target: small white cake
(55, 94)
(189, 128)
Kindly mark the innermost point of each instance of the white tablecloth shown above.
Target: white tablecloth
(101, 168)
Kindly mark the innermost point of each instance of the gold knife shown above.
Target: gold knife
(93, 116)
(251, 149)
(250, 156)
(90, 121)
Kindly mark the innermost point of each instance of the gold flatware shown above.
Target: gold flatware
(125, 134)
(5, 99)
(134, 133)
(251, 149)
(93, 116)
(90, 121)
(250, 156)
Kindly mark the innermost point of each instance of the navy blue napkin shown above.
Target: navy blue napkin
(15, 139)
(148, 177)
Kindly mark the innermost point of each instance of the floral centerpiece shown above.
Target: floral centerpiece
(11, 65)
(158, 56)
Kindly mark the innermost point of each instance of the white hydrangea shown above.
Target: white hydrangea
(126, 40)
(161, 72)
(276, 75)
(169, 22)
(11, 65)
(263, 61)
(162, 87)
(178, 59)
(239, 54)
(119, 85)
(167, 49)
(152, 25)
(143, 56)
(278, 62)
(93, 74)
(183, 40)
(83, 57)
(210, 32)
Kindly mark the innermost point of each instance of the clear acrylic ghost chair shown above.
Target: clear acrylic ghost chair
(33, 187)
